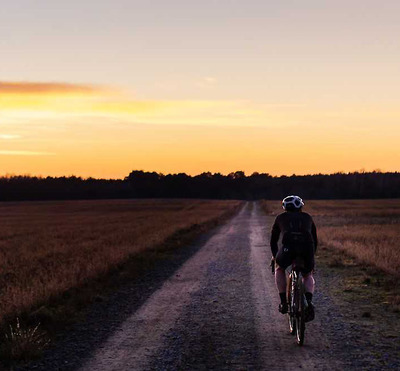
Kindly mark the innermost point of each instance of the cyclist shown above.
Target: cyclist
(299, 239)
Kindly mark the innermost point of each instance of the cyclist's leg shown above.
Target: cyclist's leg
(309, 283)
(309, 286)
(308, 279)
(280, 279)
(283, 260)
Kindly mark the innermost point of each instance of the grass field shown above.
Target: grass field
(47, 248)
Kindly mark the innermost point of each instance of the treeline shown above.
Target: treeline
(18, 188)
(140, 184)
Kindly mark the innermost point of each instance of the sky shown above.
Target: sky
(100, 88)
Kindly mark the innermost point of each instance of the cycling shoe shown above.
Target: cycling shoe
(283, 308)
(310, 312)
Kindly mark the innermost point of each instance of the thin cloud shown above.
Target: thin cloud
(30, 102)
(25, 153)
(30, 88)
(9, 136)
(206, 82)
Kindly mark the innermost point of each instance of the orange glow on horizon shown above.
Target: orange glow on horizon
(63, 129)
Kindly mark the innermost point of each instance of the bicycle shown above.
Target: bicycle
(297, 303)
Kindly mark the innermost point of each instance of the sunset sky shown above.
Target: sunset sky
(99, 88)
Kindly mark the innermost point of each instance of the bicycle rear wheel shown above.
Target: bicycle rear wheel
(300, 315)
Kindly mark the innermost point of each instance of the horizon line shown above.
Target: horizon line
(360, 171)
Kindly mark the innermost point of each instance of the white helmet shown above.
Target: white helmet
(292, 202)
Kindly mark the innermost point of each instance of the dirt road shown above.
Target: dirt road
(217, 311)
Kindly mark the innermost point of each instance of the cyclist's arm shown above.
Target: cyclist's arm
(314, 236)
(275, 238)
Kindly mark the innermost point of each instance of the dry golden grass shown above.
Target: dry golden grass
(47, 248)
(368, 230)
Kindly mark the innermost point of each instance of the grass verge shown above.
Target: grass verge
(365, 287)
(367, 299)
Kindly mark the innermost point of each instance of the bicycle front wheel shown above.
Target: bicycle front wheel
(300, 316)
(291, 315)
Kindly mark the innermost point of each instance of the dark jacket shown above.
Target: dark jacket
(296, 227)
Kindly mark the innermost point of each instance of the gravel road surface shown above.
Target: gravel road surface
(215, 309)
